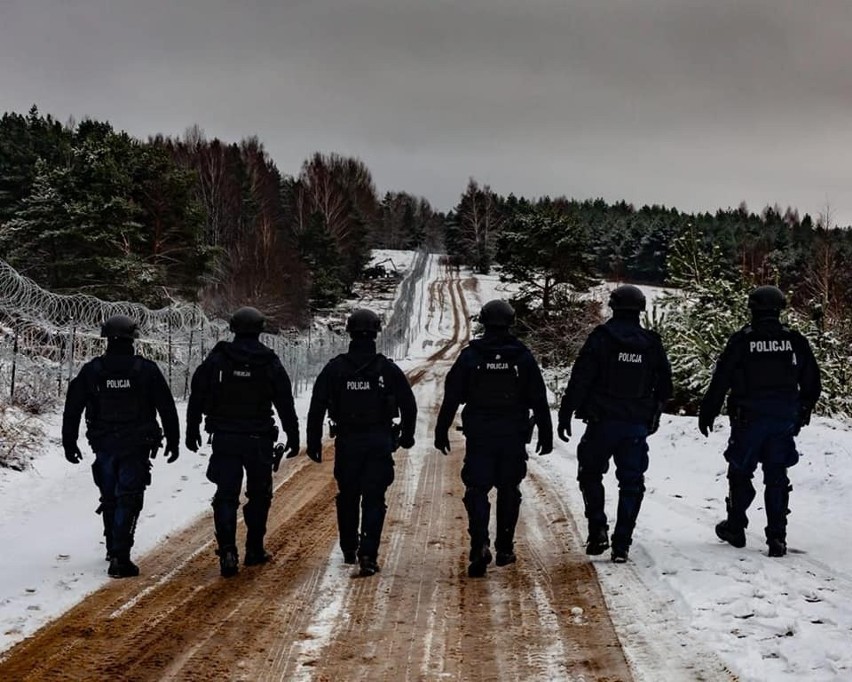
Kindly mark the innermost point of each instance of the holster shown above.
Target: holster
(396, 430)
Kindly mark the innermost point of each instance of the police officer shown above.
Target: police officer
(363, 392)
(774, 384)
(499, 382)
(236, 387)
(121, 394)
(619, 384)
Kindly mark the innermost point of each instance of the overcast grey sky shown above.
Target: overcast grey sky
(696, 104)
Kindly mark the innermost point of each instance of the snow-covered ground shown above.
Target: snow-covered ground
(768, 619)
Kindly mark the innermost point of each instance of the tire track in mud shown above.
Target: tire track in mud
(420, 618)
(518, 623)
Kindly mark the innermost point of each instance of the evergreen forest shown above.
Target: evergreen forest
(87, 208)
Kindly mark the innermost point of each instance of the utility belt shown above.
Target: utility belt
(271, 435)
(335, 429)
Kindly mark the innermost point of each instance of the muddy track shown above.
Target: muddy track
(307, 617)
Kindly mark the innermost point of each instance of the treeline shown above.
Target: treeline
(86, 208)
(802, 255)
(554, 249)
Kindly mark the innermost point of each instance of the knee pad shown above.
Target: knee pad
(132, 501)
(259, 496)
(223, 501)
(509, 493)
(776, 478)
(631, 483)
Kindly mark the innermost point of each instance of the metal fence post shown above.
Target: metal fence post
(14, 364)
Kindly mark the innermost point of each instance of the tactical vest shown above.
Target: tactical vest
(495, 381)
(241, 390)
(770, 364)
(628, 371)
(120, 396)
(360, 396)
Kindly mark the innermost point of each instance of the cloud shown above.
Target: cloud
(694, 104)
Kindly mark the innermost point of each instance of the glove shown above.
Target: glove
(654, 425)
(406, 441)
(172, 452)
(73, 454)
(705, 424)
(293, 446)
(442, 442)
(544, 447)
(193, 440)
(315, 453)
(564, 430)
(803, 420)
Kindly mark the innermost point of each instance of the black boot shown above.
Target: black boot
(598, 540)
(348, 520)
(369, 566)
(122, 567)
(256, 556)
(726, 531)
(107, 515)
(229, 561)
(777, 547)
(480, 557)
(777, 504)
(505, 558)
(619, 553)
(255, 514)
(629, 504)
(508, 507)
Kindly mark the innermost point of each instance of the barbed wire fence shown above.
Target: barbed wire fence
(46, 337)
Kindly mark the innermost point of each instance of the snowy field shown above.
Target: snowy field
(683, 591)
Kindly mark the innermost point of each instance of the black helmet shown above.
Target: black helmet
(120, 327)
(497, 313)
(247, 320)
(363, 321)
(627, 297)
(767, 298)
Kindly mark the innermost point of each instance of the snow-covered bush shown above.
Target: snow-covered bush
(20, 436)
(696, 320)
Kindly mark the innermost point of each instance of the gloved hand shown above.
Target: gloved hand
(293, 446)
(705, 423)
(193, 440)
(73, 454)
(803, 420)
(654, 425)
(406, 441)
(544, 446)
(442, 442)
(315, 453)
(564, 430)
(172, 452)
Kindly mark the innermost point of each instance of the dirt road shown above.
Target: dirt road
(306, 616)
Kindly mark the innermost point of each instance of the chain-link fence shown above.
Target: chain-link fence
(46, 337)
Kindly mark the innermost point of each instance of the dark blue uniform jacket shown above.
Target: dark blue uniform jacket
(152, 391)
(621, 374)
(769, 370)
(362, 352)
(488, 420)
(230, 412)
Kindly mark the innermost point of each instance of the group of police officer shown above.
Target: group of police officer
(619, 386)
